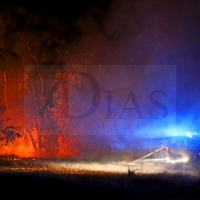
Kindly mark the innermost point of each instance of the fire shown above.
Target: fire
(23, 147)
(67, 147)
(40, 111)
(20, 148)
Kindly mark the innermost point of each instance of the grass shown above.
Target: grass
(43, 182)
(26, 179)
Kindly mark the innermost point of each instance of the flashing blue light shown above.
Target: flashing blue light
(180, 131)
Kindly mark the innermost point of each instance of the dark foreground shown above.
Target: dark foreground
(86, 185)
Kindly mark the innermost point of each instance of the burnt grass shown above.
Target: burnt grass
(51, 185)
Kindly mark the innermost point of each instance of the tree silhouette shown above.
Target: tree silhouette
(9, 134)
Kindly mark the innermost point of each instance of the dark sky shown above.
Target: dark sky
(59, 9)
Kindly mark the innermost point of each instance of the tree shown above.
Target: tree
(27, 39)
(9, 134)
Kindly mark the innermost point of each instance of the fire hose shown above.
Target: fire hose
(149, 154)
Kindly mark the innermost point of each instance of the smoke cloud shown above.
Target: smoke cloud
(129, 75)
(143, 33)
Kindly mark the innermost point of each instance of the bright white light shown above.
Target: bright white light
(189, 134)
(184, 159)
(167, 158)
(175, 133)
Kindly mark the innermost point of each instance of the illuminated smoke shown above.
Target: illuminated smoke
(133, 33)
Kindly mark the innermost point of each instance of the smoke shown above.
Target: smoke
(139, 32)
(134, 81)
(164, 33)
(142, 33)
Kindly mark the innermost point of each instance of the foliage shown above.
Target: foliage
(40, 41)
(9, 134)
(8, 156)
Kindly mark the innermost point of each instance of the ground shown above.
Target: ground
(62, 179)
